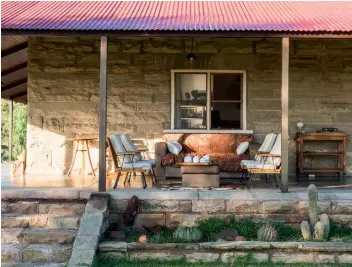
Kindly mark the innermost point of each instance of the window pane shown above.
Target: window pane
(227, 86)
(190, 101)
(226, 115)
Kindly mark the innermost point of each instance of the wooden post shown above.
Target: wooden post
(284, 114)
(102, 112)
(10, 129)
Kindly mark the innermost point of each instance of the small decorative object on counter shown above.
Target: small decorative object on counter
(187, 159)
(300, 126)
(196, 159)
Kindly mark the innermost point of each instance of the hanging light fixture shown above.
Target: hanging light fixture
(191, 56)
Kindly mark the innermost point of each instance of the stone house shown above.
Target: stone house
(64, 97)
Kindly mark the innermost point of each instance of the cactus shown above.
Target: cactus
(313, 205)
(188, 234)
(267, 233)
(324, 218)
(306, 232)
(319, 231)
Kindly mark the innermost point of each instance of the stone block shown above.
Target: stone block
(292, 257)
(280, 207)
(202, 257)
(325, 258)
(5, 206)
(341, 219)
(91, 224)
(98, 203)
(342, 208)
(118, 206)
(62, 208)
(149, 220)
(160, 255)
(82, 257)
(112, 246)
(67, 222)
(231, 256)
(265, 104)
(14, 221)
(47, 253)
(10, 253)
(166, 205)
(86, 242)
(139, 98)
(174, 219)
(10, 235)
(24, 207)
(242, 206)
(345, 258)
(302, 207)
(208, 206)
(47, 236)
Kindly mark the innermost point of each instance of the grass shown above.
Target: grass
(246, 228)
(240, 262)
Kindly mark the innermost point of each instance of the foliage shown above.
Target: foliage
(286, 232)
(188, 234)
(19, 129)
(246, 261)
(340, 231)
(212, 225)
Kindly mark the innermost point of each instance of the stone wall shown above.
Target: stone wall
(63, 94)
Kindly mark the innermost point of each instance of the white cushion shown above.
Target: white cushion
(174, 147)
(242, 148)
(276, 149)
(129, 146)
(261, 165)
(266, 145)
(118, 147)
(139, 164)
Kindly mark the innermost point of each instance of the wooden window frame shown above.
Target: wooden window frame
(243, 101)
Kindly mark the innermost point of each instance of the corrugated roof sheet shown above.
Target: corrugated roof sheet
(324, 17)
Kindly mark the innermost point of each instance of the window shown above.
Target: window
(208, 100)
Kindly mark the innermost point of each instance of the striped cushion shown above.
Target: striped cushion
(129, 146)
(117, 145)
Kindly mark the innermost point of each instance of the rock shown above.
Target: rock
(142, 239)
(119, 235)
(154, 229)
(240, 238)
(131, 211)
(228, 235)
(336, 239)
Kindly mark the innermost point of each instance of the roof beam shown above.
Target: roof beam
(13, 84)
(14, 68)
(18, 95)
(13, 49)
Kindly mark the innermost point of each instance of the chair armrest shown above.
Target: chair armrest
(270, 155)
(126, 153)
(142, 149)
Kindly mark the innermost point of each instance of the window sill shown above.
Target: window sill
(209, 131)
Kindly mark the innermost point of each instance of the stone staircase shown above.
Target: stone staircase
(38, 233)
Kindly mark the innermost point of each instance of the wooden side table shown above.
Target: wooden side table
(84, 142)
(340, 153)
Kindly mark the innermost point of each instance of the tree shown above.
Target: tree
(19, 133)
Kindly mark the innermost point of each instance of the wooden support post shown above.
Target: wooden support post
(284, 114)
(102, 112)
(10, 129)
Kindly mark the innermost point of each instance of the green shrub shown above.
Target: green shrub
(212, 225)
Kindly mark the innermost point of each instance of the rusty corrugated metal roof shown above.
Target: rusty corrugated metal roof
(302, 17)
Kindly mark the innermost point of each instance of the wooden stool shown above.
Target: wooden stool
(84, 142)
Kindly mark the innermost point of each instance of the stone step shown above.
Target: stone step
(35, 253)
(37, 236)
(17, 220)
(31, 264)
(53, 208)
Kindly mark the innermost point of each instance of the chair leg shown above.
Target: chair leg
(117, 180)
(277, 181)
(126, 178)
(249, 183)
(143, 181)
(153, 177)
(129, 177)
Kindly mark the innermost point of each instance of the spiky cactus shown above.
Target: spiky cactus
(267, 233)
(313, 205)
(319, 231)
(324, 218)
(306, 232)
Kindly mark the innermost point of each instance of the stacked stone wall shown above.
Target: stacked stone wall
(63, 94)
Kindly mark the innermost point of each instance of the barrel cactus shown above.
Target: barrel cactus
(187, 234)
(319, 231)
(267, 233)
(313, 205)
(306, 232)
(324, 218)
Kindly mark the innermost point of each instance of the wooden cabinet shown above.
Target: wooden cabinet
(340, 153)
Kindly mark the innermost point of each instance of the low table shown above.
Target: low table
(202, 174)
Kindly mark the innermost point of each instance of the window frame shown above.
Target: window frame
(209, 101)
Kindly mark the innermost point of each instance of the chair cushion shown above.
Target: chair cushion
(261, 165)
(118, 147)
(242, 148)
(138, 164)
(174, 147)
(129, 146)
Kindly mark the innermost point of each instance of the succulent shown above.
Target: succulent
(267, 233)
(324, 218)
(188, 234)
(319, 231)
(313, 205)
(305, 229)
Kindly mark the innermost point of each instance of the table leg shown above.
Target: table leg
(73, 159)
(83, 169)
(90, 160)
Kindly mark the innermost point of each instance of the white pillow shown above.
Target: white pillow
(174, 147)
(242, 148)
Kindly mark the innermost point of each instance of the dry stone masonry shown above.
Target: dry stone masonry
(63, 94)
